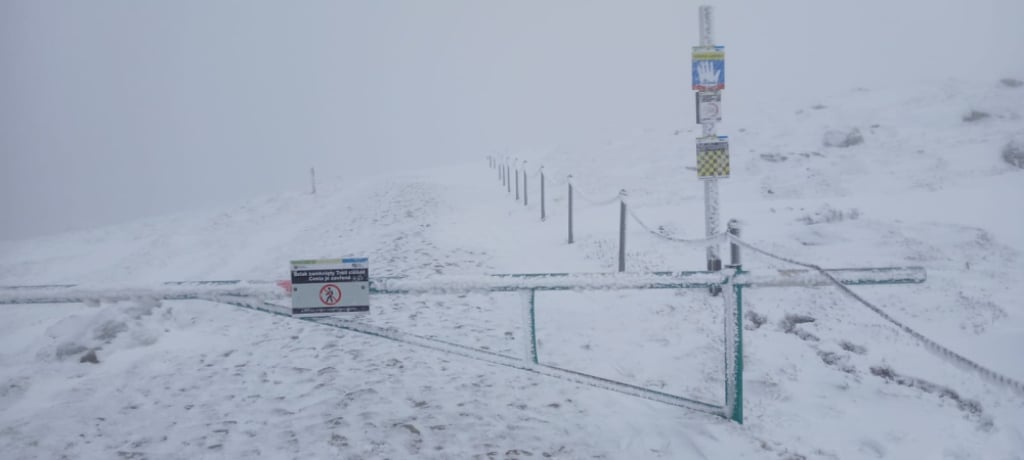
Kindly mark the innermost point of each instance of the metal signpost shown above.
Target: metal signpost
(330, 286)
(712, 150)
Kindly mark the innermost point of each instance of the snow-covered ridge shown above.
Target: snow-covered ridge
(823, 377)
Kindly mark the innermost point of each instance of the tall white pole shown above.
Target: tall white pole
(708, 131)
(312, 179)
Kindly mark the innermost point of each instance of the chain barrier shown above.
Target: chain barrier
(556, 180)
(934, 346)
(946, 353)
(578, 192)
(703, 242)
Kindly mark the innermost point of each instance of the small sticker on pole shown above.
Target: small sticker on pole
(709, 107)
(713, 157)
(708, 68)
(327, 287)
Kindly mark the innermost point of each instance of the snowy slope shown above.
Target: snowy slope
(825, 377)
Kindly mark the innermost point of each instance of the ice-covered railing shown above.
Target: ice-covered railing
(174, 290)
(652, 280)
(273, 290)
(546, 282)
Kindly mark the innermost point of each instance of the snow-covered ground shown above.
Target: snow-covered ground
(824, 376)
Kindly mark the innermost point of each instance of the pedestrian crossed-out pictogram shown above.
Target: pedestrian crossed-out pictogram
(330, 294)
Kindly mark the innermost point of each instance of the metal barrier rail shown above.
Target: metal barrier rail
(259, 295)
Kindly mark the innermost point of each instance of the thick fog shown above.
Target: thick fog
(113, 110)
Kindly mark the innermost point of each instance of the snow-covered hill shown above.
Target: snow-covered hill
(825, 377)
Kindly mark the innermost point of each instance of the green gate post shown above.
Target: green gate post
(533, 326)
(737, 377)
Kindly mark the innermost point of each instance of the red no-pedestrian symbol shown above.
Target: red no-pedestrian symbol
(330, 294)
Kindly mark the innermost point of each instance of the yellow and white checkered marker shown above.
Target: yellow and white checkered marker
(713, 158)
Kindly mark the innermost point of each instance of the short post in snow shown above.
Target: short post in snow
(622, 230)
(508, 178)
(543, 216)
(526, 190)
(517, 179)
(734, 249)
(570, 208)
(312, 179)
(501, 174)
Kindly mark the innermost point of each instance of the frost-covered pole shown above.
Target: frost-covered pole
(570, 208)
(622, 230)
(312, 179)
(543, 215)
(708, 130)
(712, 150)
(517, 179)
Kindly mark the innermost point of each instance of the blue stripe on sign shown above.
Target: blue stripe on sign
(356, 260)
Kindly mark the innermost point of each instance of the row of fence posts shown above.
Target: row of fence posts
(507, 168)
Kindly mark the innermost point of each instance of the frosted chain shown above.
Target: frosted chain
(951, 355)
(557, 180)
(576, 190)
(697, 242)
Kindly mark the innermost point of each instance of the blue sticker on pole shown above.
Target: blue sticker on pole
(708, 68)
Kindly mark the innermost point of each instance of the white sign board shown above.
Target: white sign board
(329, 287)
(709, 107)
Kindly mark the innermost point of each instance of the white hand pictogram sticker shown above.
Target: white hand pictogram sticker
(706, 73)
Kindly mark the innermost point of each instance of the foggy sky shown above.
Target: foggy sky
(117, 109)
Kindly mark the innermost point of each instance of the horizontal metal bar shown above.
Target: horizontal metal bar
(846, 276)
(183, 290)
(37, 286)
(546, 282)
(82, 294)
